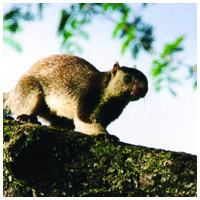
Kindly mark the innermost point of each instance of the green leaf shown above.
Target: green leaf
(173, 47)
(158, 66)
(157, 87)
(173, 80)
(74, 24)
(195, 85)
(12, 43)
(118, 28)
(66, 35)
(179, 40)
(113, 6)
(173, 69)
(125, 45)
(64, 18)
(129, 39)
(15, 12)
(172, 91)
(41, 8)
(135, 50)
(84, 35)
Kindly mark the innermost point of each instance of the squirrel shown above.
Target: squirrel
(70, 92)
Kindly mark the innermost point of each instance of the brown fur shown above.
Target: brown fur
(70, 92)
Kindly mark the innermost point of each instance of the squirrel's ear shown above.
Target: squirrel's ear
(134, 67)
(115, 68)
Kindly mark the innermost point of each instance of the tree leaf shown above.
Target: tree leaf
(63, 20)
(172, 47)
(125, 45)
(172, 92)
(12, 43)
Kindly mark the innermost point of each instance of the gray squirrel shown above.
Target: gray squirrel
(69, 92)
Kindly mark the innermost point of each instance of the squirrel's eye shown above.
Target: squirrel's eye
(128, 78)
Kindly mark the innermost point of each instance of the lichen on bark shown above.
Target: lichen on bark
(46, 161)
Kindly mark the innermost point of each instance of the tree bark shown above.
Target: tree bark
(46, 161)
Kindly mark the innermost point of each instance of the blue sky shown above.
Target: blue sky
(160, 120)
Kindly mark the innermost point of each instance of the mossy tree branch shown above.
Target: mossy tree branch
(45, 161)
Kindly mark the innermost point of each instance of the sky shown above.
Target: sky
(159, 120)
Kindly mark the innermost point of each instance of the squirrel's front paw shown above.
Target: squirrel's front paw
(113, 139)
(28, 119)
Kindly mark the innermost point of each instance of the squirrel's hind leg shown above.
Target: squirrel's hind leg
(54, 120)
(27, 97)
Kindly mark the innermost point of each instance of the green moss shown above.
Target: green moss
(45, 161)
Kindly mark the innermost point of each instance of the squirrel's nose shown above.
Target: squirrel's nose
(143, 88)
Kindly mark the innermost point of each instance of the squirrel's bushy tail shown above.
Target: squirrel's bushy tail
(6, 106)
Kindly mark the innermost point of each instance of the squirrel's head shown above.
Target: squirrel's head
(128, 82)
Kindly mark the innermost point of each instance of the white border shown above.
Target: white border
(103, 1)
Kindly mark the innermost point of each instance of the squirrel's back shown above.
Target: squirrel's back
(63, 71)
